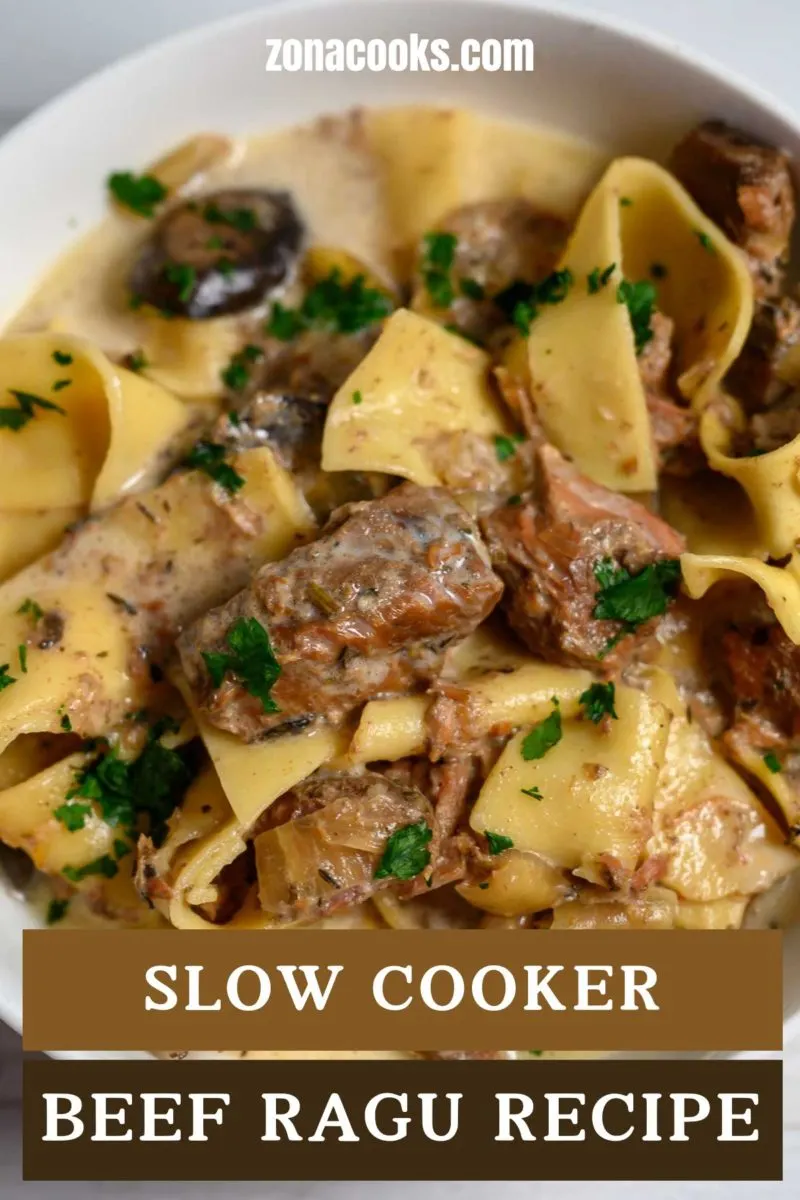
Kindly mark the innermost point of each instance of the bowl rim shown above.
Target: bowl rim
(578, 16)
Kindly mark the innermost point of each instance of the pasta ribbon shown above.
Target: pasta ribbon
(582, 352)
(780, 585)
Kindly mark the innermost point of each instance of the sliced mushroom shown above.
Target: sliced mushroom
(218, 254)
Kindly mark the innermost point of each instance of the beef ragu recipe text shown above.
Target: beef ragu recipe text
(398, 529)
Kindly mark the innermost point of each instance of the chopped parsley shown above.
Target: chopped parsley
(640, 300)
(22, 651)
(658, 270)
(596, 280)
(533, 792)
(139, 193)
(252, 661)
(438, 256)
(498, 842)
(243, 219)
(625, 201)
(597, 701)
(66, 724)
(505, 447)
(406, 852)
(705, 241)
(60, 384)
(357, 398)
(543, 736)
(210, 457)
(634, 599)
(237, 373)
(772, 762)
(56, 911)
(104, 865)
(32, 609)
(132, 795)
(17, 418)
(136, 360)
(183, 276)
(62, 358)
(332, 305)
(5, 679)
(472, 289)
(520, 301)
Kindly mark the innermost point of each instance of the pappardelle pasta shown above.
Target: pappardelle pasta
(399, 527)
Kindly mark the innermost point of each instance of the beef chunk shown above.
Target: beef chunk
(314, 363)
(775, 329)
(499, 242)
(774, 428)
(745, 187)
(674, 426)
(762, 672)
(320, 845)
(368, 608)
(555, 550)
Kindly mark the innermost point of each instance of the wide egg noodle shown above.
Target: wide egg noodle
(163, 556)
(582, 356)
(417, 385)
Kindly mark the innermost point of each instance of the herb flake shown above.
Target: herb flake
(139, 193)
(406, 852)
(543, 736)
(252, 661)
(598, 701)
(210, 458)
(498, 842)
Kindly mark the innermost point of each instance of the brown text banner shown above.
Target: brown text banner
(408, 990)
(204, 1120)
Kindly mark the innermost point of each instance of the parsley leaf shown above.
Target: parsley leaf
(543, 736)
(533, 792)
(520, 301)
(640, 300)
(104, 865)
(498, 842)
(136, 360)
(66, 724)
(472, 289)
(32, 609)
(625, 202)
(62, 358)
(237, 373)
(598, 700)
(634, 599)
(210, 457)
(596, 280)
(406, 852)
(22, 652)
(183, 276)
(705, 241)
(772, 762)
(252, 662)
(506, 447)
(72, 815)
(332, 305)
(56, 911)
(243, 219)
(358, 398)
(439, 250)
(139, 193)
(18, 418)
(60, 384)
(5, 679)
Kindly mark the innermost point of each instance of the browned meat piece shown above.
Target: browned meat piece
(499, 242)
(745, 187)
(774, 428)
(547, 550)
(655, 358)
(674, 426)
(763, 678)
(775, 329)
(367, 609)
(324, 841)
(313, 364)
(675, 433)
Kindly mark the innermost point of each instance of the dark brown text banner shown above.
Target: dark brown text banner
(213, 1120)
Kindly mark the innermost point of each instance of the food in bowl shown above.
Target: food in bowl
(390, 543)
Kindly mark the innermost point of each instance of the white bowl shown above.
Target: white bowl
(599, 79)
